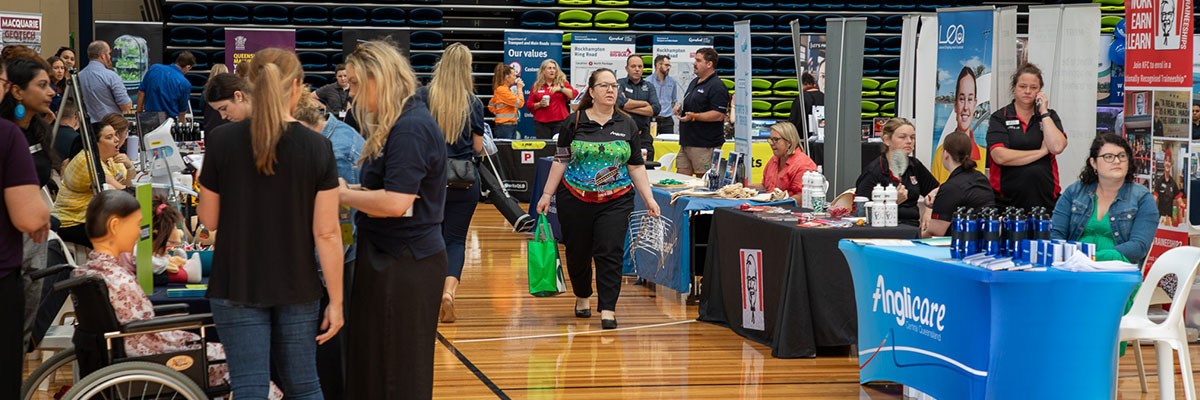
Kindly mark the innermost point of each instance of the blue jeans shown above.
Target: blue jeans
(505, 131)
(257, 335)
(460, 207)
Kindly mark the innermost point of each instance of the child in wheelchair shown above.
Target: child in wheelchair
(113, 224)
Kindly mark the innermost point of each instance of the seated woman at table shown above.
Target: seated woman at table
(1105, 207)
(965, 187)
(76, 190)
(786, 169)
(896, 166)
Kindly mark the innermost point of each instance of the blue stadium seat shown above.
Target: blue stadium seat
(890, 67)
(189, 12)
(685, 21)
(425, 40)
(335, 38)
(683, 3)
(719, 21)
(201, 58)
(196, 79)
(315, 81)
(217, 57)
(538, 19)
(536, 2)
(863, 5)
(424, 62)
(347, 15)
(310, 15)
(235, 13)
(725, 65)
(312, 60)
(188, 36)
(721, 4)
(891, 45)
(818, 22)
(785, 66)
(761, 65)
(270, 14)
(784, 22)
(827, 4)
(870, 66)
(793, 4)
(644, 43)
(874, 22)
(217, 36)
(893, 23)
(784, 44)
(336, 58)
(648, 3)
(388, 16)
(425, 17)
(760, 22)
(649, 20)
(899, 5)
(870, 44)
(312, 38)
(760, 4)
(723, 43)
(762, 43)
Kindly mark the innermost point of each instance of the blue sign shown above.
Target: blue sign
(524, 51)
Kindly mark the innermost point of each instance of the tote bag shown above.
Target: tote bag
(545, 268)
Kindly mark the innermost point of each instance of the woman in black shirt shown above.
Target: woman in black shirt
(401, 260)
(1022, 140)
(965, 187)
(265, 290)
(599, 163)
(896, 166)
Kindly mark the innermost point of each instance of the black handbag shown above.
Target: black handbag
(460, 173)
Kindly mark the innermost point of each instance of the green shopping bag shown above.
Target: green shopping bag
(545, 268)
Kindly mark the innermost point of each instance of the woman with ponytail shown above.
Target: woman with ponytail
(401, 261)
(965, 187)
(264, 288)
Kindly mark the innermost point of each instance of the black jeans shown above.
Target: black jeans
(460, 207)
(546, 130)
(595, 232)
(666, 125)
(12, 338)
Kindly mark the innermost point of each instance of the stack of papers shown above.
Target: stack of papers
(1079, 262)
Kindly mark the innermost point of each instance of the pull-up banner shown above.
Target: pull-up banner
(525, 51)
(964, 82)
(242, 43)
(592, 51)
(136, 46)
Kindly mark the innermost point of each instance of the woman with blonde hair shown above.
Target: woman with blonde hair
(549, 99)
(896, 166)
(505, 104)
(212, 118)
(264, 289)
(785, 170)
(401, 261)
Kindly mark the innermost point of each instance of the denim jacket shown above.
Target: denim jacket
(1133, 217)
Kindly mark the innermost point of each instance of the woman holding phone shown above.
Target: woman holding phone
(1023, 139)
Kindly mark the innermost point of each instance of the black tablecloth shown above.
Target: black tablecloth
(870, 151)
(516, 160)
(807, 291)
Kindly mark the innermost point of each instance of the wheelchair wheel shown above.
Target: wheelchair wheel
(136, 380)
(57, 372)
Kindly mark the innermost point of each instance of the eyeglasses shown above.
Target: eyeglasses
(606, 86)
(1114, 158)
(776, 139)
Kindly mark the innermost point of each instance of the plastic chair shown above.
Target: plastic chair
(335, 38)
(425, 17)
(782, 109)
(870, 87)
(337, 58)
(760, 87)
(536, 2)
(874, 22)
(719, 21)
(312, 38)
(349, 15)
(889, 88)
(230, 13)
(725, 65)
(760, 22)
(762, 43)
(612, 19)
(196, 79)
(723, 43)
(575, 19)
(784, 22)
(792, 4)
(760, 109)
(270, 14)
(888, 109)
(871, 44)
(315, 81)
(761, 65)
(648, 3)
(685, 21)
(425, 40)
(784, 44)
(388, 16)
(538, 19)
(786, 87)
(667, 161)
(891, 45)
(612, 3)
(728, 84)
(870, 66)
(189, 12)
(312, 60)
(720, 4)
(870, 109)
(649, 20)
(826, 5)
(310, 15)
(424, 62)
(757, 4)
(566, 44)
(217, 57)
(893, 23)
(890, 66)
(574, 2)
(683, 3)
(862, 4)
(644, 43)
(785, 66)
(1170, 334)
(188, 35)
(818, 22)
(217, 36)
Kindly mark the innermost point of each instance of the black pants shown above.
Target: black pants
(393, 321)
(595, 232)
(546, 130)
(460, 207)
(12, 334)
(666, 125)
(75, 234)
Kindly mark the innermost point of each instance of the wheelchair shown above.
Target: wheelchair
(102, 370)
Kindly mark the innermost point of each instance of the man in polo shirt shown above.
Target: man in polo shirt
(636, 96)
(702, 116)
(103, 90)
(165, 89)
(336, 96)
(667, 90)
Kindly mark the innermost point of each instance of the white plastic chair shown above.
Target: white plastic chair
(667, 161)
(1170, 334)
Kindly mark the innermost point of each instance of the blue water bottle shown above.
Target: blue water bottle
(970, 238)
(956, 234)
(1042, 228)
(1020, 231)
(989, 227)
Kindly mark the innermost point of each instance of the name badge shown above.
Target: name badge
(35, 148)
(1012, 122)
(629, 90)
(912, 179)
(699, 90)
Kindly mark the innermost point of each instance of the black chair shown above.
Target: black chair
(188, 36)
(644, 43)
(270, 14)
(388, 16)
(649, 20)
(784, 44)
(310, 15)
(723, 43)
(760, 22)
(234, 13)
(784, 22)
(725, 65)
(719, 21)
(685, 21)
(347, 15)
(762, 43)
(217, 36)
(425, 17)
(425, 40)
(311, 38)
(189, 12)
(315, 81)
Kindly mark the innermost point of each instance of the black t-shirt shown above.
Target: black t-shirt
(1034, 184)
(413, 161)
(704, 96)
(916, 179)
(811, 98)
(964, 188)
(41, 152)
(264, 251)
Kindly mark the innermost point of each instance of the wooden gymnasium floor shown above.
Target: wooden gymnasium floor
(508, 344)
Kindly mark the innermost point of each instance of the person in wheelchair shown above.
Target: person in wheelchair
(113, 224)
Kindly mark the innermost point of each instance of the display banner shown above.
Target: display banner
(682, 50)
(1064, 45)
(1158, 80)
(752, 298)
(352, 36)
(741, 93)
(21, 29)
(135, 47)
(924, 83)
(1004, 57)
(964, 81)
(242, 43)
(524, 51)
(809, 51)
(592, 51)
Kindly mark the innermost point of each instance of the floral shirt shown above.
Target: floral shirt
(597, 156)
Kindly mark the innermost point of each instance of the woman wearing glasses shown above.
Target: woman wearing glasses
(1106, 207)
(598, 165)
(785, 170)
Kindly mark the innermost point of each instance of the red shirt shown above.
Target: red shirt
(556, 111)
(791, 178)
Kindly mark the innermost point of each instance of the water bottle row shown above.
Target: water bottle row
(882, 210)
(812, 195)
(996, 233)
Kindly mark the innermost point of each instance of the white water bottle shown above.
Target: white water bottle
(878, 213)
(805, 190)
(891, 212)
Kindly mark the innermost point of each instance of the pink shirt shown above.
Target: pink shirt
(791, 178)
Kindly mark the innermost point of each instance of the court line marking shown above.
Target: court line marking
(575, 333)
(471, 366)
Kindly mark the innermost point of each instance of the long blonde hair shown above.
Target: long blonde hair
(308, 111)
(395, 82)
(559, 78)
(217, 69)
(450, 91)
(270, 77)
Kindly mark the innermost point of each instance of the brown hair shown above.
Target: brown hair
(958, 146)
(710, 55)
(1026, 68)
(890, 128)
(500, 73)
(164, 221)
(117, 121)
(271, 74)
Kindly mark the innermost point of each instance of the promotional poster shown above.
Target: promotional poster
(964, 75)
(742, 92)
(682, 50)
(135, 47)
(592, 51)
(21, 29)
(242, 43)
(524, 51)
(752, 298)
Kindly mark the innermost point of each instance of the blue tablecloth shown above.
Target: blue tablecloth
(970, 333)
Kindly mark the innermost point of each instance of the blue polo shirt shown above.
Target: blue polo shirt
(668, 94)
(166, 89)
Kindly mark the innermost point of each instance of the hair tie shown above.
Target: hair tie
(160, 208)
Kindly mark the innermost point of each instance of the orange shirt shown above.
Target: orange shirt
(791, 178)
(504, 105)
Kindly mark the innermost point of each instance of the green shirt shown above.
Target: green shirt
(1099, 232)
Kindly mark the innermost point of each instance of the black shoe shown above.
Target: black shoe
(584, 313)
(608, 323)
(525, 223)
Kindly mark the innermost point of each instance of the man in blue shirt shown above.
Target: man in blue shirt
(165, 89)
(103, 90)
(668, 94)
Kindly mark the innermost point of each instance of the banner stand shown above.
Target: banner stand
(843, 103)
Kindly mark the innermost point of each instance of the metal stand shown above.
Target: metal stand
(85, 133)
